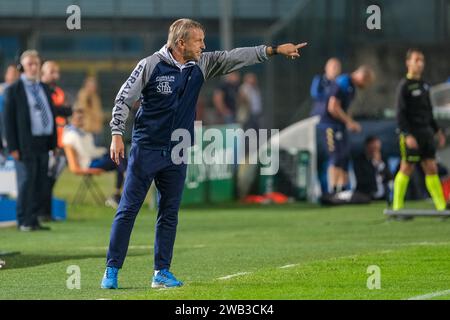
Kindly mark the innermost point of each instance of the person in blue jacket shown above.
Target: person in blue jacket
(336, 122)
(322, 86)
(168, 84)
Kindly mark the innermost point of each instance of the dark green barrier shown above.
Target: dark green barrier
(292, 176)
(210, 183)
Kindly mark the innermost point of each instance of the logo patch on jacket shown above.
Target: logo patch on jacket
(164, 84)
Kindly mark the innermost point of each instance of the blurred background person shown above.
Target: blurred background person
(420, 135)
(30, 133)
(371, 171)
(50, 75)
(322, 85)
(225, 97)
(372, 177)
(250, 105)
(200, 109)
(11, 75)
(336, 122)
(89, 101)
(84, 157)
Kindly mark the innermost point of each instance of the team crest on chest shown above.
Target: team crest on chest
(164, 83)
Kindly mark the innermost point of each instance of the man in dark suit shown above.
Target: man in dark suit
(371, 171)
(30, 135)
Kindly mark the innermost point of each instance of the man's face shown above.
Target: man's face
(233, 78)
(11, 74)
(416, 63)
(363, 80)
(78, 119)
(31, 66)
(373, 148)
(91, 85)
(251, 79)
(332, 69)
(50, 73)
(193, 46)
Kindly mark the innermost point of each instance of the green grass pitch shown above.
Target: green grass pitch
(326, 250)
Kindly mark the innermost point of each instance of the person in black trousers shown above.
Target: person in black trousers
(30, 135)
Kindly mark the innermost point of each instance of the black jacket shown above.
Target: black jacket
(18, 123)
(414, 109)
(366, 173)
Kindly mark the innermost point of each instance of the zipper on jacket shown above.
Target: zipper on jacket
(179, 95)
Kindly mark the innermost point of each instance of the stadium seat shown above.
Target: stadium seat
(87, 184)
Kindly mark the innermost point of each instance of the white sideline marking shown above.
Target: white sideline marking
(233, 275)
(431, 295)
(288, 266)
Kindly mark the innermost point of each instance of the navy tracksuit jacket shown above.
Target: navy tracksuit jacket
(168, 93)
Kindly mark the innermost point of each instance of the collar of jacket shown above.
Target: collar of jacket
(165, 55)
(28, 82)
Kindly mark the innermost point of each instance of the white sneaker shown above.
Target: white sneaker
(112, 203)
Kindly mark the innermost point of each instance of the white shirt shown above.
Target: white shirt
(83, 143)
(37, 124)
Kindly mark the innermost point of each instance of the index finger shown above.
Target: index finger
(117, 157)
(301, 45)
(114, 155)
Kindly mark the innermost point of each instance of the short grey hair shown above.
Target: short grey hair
(179, 30)
(29, 53)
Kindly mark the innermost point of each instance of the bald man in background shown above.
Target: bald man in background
(50, 75)
(337, 122)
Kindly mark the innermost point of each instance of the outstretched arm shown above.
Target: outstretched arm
(220, 63)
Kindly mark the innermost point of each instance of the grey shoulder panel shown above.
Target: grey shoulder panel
(130, 92)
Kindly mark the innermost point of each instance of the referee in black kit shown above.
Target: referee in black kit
(418, 130)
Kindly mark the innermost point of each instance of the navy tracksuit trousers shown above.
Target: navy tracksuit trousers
(144, 166)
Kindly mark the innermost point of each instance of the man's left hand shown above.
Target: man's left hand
(291, 50)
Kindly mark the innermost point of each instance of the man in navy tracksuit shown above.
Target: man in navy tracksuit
(335, 122)
(168, 84)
